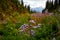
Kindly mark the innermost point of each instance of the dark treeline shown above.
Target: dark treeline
(7, 6)
(52, 6)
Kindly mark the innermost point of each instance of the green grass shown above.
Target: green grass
(10, 30)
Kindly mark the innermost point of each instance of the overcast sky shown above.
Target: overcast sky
(35, 3)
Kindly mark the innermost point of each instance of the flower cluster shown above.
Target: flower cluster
(27, 27)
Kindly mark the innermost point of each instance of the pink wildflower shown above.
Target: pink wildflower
(32, 21)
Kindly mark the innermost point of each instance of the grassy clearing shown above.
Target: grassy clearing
(9, 30)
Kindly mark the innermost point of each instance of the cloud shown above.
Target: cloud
(35, 3)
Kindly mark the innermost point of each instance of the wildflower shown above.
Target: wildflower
(37, 26)
(31, 32)
(40, 24)
(54, 38)
(23, 27)
(21, 30)
(32, 21)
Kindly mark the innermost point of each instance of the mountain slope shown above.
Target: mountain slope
(37, 9)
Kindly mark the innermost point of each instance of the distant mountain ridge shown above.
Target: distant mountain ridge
(37, 9)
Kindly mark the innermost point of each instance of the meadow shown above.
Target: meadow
(49, 28)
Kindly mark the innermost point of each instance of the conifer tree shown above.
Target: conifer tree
(59, 2)
(52, 6)
(55, 4)
(47, 5)
(22, 3)
(28, 8)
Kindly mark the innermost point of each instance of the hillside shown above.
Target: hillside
(11, 7)
(17, 22)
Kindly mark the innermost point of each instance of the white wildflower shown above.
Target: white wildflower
(32, 21)
(39, 25)
(32, 32)
(24, 27)
(21, 30)
(54, 38)
(35, 27)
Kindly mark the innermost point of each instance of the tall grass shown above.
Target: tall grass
(9, 30)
